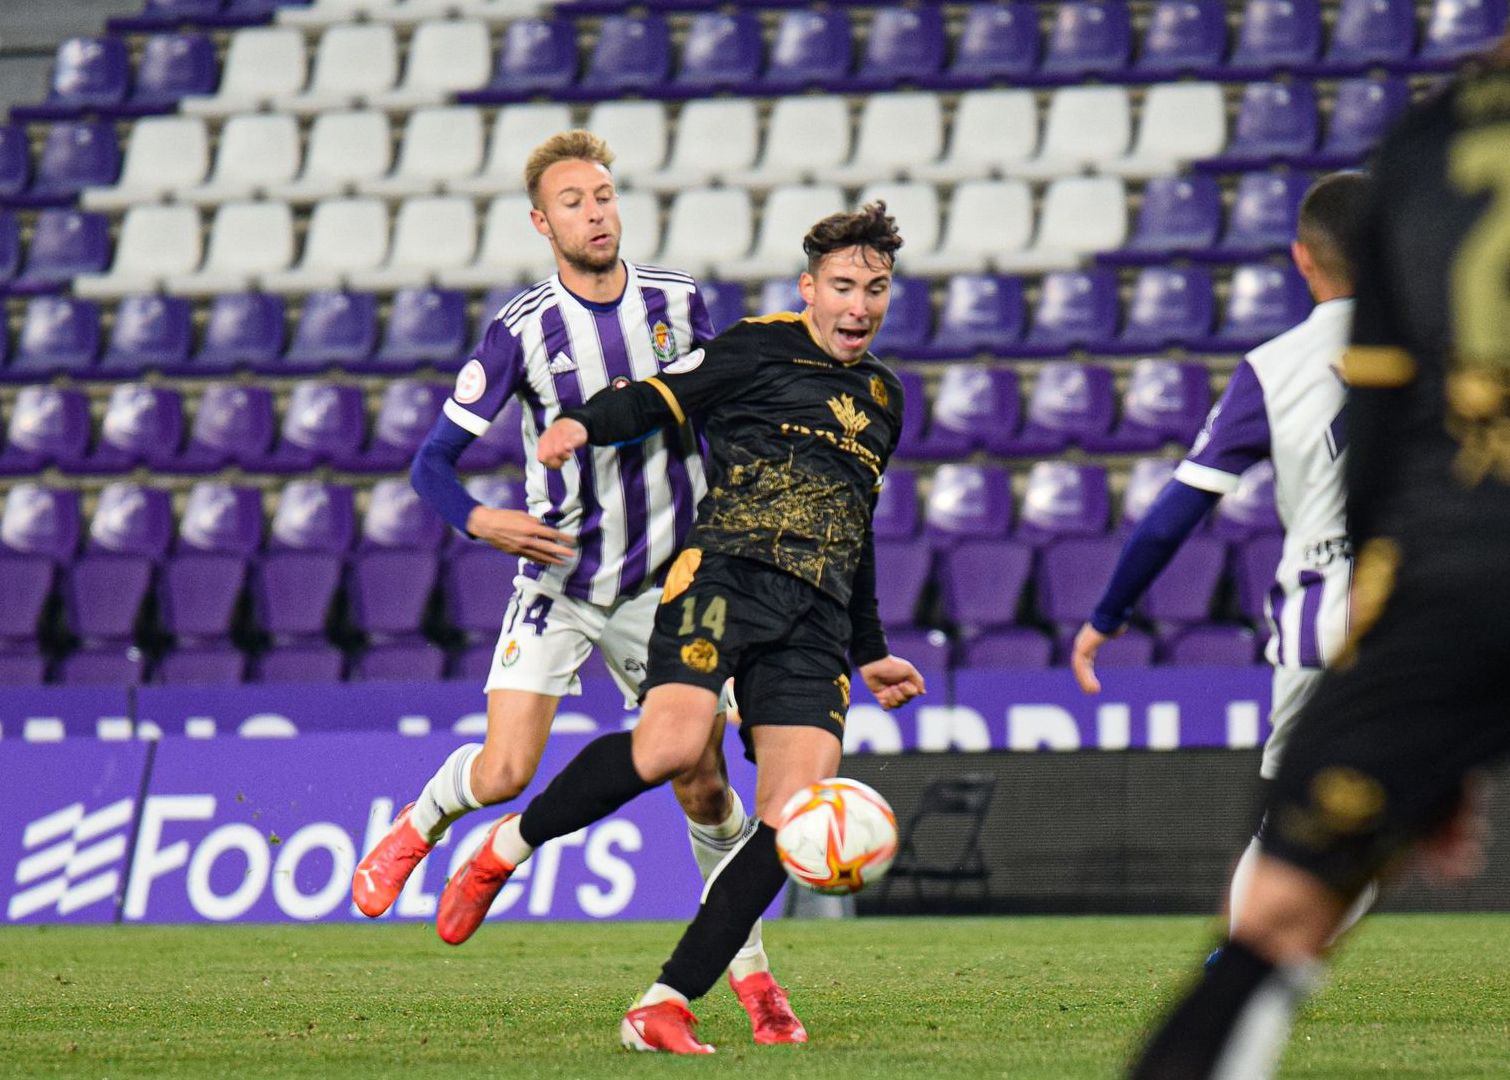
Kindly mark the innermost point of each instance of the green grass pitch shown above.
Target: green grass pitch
(1051, 998)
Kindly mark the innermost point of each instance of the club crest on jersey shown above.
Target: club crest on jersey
(471, 382)
(700, 655)
(663, 342)
(510, 655)
(878, 391)
(560, 364)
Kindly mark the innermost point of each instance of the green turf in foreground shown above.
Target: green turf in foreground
(1051, 998)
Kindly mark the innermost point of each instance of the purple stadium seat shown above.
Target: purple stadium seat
(425, 326)
(75, 155)
(1071, 576)
(292, 592)
(914, 415)
(1179, 214)
(323, 420)
(313, 516)
(1069, 403)
(632, 54)
(1212, 646)
(233, 424)
(87, 73)
(476, 583)
(197, 593)
(25, 583)
(410, 660)
(1369, 32)
(132, 519)
(982, 582)
(1265, 210)
(908, 319)
(1263, 300)
(975, 408)
(494, 302)
(48, 426)
(721, 52)
(499, 492)
(903, 568)
(1145, 481)
(23, 666)
(1362, 111)
(1169, 306)
(997, 41)
(1459, 28)
(201, 665)
(538, 56)
(107, 665)
(389, 588)
(404, 418)
(64, 243)
(1075, 308)
(928, 649)
(15, 160)
(250, 12)
(1275, 35)
(143, 425)
(811, 48)
(725, 301)
(1014, 647)
(1249, 510)
(1183, 36)
(501, 443)
(1253, 566)
(981, 313)
(41, 521)
(968, 502)
(158, 14)
(103, 594)
(150, 332)
(243, 329)
(307, 662)
(471, 662)
(1132, 649)
(1063, 499)
(397, 519)
(1089, 37)
(10, 250)
(1165, 402)
(1183, 593)
(780, 294)
(59, 335)
(906, 45)
(896, 513)
(220, 519)
(1276, 121)
(172, 67)
(336, 329)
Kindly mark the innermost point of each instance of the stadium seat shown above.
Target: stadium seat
(221, 519)
(59, 334)
(88, 73)
(1070, 577)
(517, 129)
(1081, 215)
(981, 313)
(1182, 37)
(1179, 215)
(1084, 126)
(538, 56)
(132, 519)
(233, 425)
(879, 154)
(322, 14)
(407, 661)
(346, 148)
(637, 131)
(973, 408)
(64, 244)
(197, 593)
(115, 664)
(335, 329)
(986, 217)
(1275, 36)
(909, 319)
(156, 243)
(789, 212)
(1088, 37)
(404, 418)
(1457, 29)
(896, 512)
(431, 233)
(257, 153)
(206, 664)
(1362, 111)
(1185, 590)
(305, 662)
(1063, 499)
(160, 14)
(1263, 301)
(312, 516)
(993, 131)
(640, 216)
(397, 519)
(25, 584)
(1169, 306)
(345, 236)
(247, 241)
(997, 42)
(353, 64)
(172, 67)
(905, 45)
(1145, 480)
(15, 160)
(444, 57)
(1254, 565)
(914, 413)
(1275, 121)
(714, 139)
(76, 154)
(707, 228)
(102, 595)
(1211, 646)
(501, 444)
(1369, 32)
(806, 138)
(722, 51)
(1011, 647)
(389, 588)
(41, 521)
(982, 581)
(1076, 308)
(968, 502)
(1248, 511)
(1262, 219)
(242, 330)
(474, 580)
(725, 301)
(510, 249)
(914, 205)
(48, 426)
(631, 55)
(264, 65)
(1068, 402)
(1181, 123)
(425, 327)
(150, 333)
(322, 421)
(906, 566)
(441, 143)
(165, 155)
(10, 249)
(810, 49)
(779, 294)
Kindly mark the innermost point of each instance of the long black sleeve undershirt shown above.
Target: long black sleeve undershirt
(618, 415)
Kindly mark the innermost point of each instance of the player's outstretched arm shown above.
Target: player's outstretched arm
(560, 441)
(893, 681)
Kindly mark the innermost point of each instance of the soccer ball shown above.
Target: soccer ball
(836, 836)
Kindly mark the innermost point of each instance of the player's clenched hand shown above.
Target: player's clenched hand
(515, 532)
(559, 441)
(893, 681)
(1083, 657)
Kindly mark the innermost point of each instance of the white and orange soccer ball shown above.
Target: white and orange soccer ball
(837, 836)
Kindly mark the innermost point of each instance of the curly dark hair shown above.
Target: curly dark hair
(868, 227)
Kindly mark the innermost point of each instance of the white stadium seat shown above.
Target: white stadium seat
(706, 228)
(247, 240)
(322, 13)
(257, 152)
(714, 139)
(346, 148)
(1085, 126)
(263, 65)
(806, 138)
(636, 133)
(896, 130)
(431, 233)
(345, 236)
(916, 209)
(993, 131)
(439, 144)
(986, 218)
(517, 129)
(1081, 215)
(511, 250)
(789, 213)
(165, 155)
(445, 56)
(155, 243)
(640, 216)
(352, 64)
(1181, 122)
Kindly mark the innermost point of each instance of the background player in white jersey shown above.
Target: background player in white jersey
(597, 536)
(1284, 403)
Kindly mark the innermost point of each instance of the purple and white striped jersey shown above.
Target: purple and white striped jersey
(1285, 403)
(630, 506)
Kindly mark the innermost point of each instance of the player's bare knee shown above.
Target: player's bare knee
(500, 779)
(703, 794)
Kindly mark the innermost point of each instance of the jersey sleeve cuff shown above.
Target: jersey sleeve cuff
(467, 421)
(1206, 478)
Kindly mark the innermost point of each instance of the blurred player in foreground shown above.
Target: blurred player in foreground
(1383, 758)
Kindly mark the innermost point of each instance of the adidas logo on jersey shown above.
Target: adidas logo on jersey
(560, 364)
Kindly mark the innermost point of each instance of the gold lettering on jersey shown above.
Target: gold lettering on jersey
(846, 443)
(805, 362)
(853, 420)
(878, 391)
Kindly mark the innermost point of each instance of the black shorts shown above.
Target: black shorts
(785, 643)
(1379, 754)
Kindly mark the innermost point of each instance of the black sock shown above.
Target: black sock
(737, 895)
(593, 785)
(1198, 1035)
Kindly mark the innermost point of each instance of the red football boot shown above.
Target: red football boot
(380, 877)
(666, 1025)
(770, 1012)
(471, 890)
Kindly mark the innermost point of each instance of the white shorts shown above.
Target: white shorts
(546, 638)
(1293, 687)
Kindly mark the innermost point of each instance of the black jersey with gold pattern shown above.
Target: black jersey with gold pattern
(797, 442)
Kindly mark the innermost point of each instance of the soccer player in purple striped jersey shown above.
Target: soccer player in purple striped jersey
(596, 538)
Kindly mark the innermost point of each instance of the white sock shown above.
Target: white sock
(1257, 1041)
(508, 845)
(711, 845)
(1361, 905)
(1244, 874)
(448, 796)
(659, 992)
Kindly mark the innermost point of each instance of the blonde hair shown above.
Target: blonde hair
(574, 145)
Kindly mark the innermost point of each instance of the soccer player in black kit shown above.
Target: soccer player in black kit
(1384, 757)
(776, 587)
